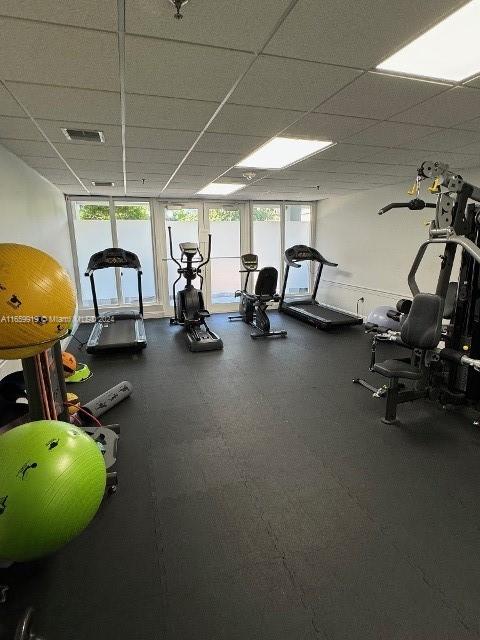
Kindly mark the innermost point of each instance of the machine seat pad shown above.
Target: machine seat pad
(397, 369)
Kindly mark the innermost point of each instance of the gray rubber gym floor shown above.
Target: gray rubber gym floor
(261, 498)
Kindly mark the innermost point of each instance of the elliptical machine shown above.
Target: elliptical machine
(253, 306)
(188, 304)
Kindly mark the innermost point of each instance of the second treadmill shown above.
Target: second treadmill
(308, 309)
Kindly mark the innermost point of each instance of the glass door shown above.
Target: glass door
(223, 221)
(298, 220)
(134, 233)
(94, 232)
(185, 222)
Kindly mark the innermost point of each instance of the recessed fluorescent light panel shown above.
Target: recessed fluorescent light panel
(220, 188)
(279, 153)
(445, 52)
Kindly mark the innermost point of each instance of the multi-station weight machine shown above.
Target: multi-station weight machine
(444, 363)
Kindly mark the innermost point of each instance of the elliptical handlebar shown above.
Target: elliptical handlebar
(414, 205)
(207, 260)
(171, 248)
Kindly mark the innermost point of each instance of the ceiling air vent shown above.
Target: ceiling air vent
(101, 183)
(83, 135)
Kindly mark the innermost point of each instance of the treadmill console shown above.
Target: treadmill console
(300, 253)
(113, 257)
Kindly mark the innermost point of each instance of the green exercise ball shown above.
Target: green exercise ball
(52, 481)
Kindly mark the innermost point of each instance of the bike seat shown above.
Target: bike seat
(203, 313)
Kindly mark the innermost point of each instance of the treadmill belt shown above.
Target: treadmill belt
(118, 333)
(324, 315)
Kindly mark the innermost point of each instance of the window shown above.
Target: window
(297, 231)
(267, 235)
(102, 224)
(225, 260)
(93, 232)
(134, 233)
(184, 225)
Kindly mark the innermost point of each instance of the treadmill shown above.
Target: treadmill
(116, 331)
(308, 309)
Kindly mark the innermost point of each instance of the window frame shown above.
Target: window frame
(71, 202)
(160, 249)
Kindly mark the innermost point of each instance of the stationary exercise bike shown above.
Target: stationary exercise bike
(253, 306)
(188, 304)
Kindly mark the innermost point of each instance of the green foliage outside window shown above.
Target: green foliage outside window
(102, 212)
(142, 212)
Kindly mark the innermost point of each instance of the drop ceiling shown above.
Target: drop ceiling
(203, 92)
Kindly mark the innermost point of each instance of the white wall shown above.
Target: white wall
(374, 253)
(32, 211)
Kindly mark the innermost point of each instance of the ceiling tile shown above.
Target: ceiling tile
(89, 152)
(475, 82)
(64, 103)
(203, 169)
(451, 108)
(254, 121)
(237, 25)
(147, 138)
(472, 148)
(53, 129)
(19, 128)
(101, 167)
(469, 125)
(414, 157)
(317, 163)
(135, 178)
(105, 191)
(380, 96)
(168, 113)
(347, 32)
(107, 176)
(225, 143)
(378, 169)
(383, 155)
(349, 152)
(213, 159)
(163, 156)
(59, 180)
(186, 70)
(60, 175)
(296, 84)
(72, 189)
(29, 147)
(45, 163)
(8, 106)
(390, 134)
(142, 169)
(30, 52)
(88, 13)
(461, 161)
(444, 140)
(328, 127)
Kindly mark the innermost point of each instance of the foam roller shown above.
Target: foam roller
(103, 403)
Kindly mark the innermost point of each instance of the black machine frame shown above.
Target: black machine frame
(450, 372)
(111, 331)
(308, 308)
(188, 303)
(253, 306)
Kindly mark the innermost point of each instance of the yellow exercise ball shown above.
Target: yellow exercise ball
(37, 301)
